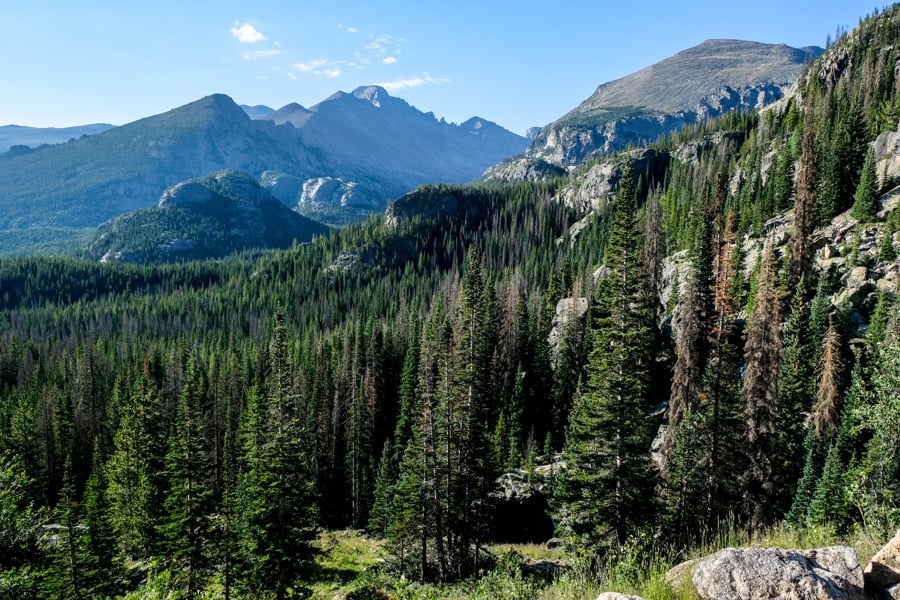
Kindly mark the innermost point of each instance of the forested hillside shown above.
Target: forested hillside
(190, 427)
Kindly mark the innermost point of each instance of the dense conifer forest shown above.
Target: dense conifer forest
(198, 423)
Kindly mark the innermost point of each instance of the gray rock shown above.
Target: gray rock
(829, 252)
(680, 572)
(763, 573)
(855, 297)
(568, 310)
(617, 596)
(855, 276)
(883, 572)
(333, 191)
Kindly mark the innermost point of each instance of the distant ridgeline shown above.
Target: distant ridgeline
(697, 334)
(370, 146)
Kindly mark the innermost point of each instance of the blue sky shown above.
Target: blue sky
(520, 63)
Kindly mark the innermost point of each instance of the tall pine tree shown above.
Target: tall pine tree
(602, 495)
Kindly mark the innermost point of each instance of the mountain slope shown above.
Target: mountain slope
(51, 198)
(389, 147)
(85, 182)
(705, 81)
(208, 217)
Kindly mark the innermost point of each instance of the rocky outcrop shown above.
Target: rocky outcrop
(882, 574)
(333, 191)
(597, 186)
(764, 573)
(520, 499)
(434, 202)
(569, 312)
(522, 168)
(887, 155)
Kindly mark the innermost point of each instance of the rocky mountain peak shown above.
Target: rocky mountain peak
(375, 94)
(703, 82)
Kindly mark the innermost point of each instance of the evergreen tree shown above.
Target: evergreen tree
(102, 571)
(186, 528)
(602, 495)
(279, 505)
(22, 559)
(865, 200)
(795, 397)
(134, 472)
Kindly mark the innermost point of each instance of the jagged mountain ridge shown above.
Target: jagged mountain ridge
(370, 130)
(705, 81)
(380, 143)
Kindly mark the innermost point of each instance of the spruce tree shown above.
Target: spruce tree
(602, 495)
(135, 473)
(279, 505)
(865, 200)
(186, 528)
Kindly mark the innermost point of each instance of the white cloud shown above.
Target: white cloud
(412, 82)
(247, 34)
(321, 68)
(311, 66)
(352, 30)
(390, 60)
(261, 54)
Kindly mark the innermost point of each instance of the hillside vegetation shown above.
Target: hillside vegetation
(188, 430)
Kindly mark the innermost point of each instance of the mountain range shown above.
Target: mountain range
(352, 153)
(53, 197)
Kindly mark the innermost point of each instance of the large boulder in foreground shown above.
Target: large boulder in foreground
(764, 573)
(882, 574)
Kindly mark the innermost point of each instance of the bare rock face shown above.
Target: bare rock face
(337, 192)
(882, 574)
(887, 153)
(598, 185)
(567, 311)
(763, 573)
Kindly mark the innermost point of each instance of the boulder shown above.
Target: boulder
(617, 596)
(855, 277)
(761, 573)
(853, 296)
(883, 572)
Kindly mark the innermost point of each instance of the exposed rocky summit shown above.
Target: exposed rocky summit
(765, 573)
(711, 79)
(434, 202)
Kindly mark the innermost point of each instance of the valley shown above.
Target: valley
(355, 351)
